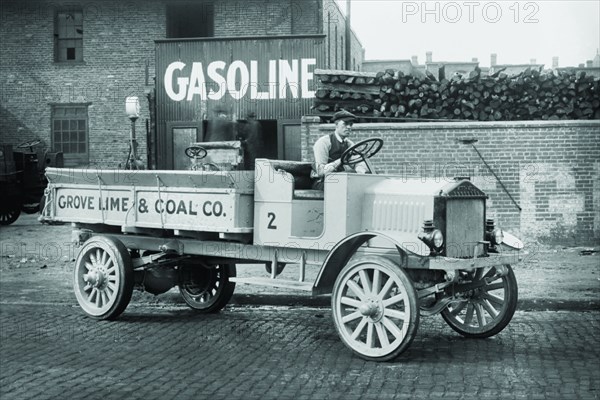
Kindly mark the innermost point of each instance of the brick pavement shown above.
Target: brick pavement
(284, 353)
(161, 349)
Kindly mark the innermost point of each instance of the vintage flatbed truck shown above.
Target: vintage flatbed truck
(389, 249)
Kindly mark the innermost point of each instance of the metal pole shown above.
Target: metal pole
(496, 176)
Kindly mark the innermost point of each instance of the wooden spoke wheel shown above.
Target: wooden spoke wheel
(207, 289)
(9, 212)
(375, 308)
(103, 277)
(487, 305)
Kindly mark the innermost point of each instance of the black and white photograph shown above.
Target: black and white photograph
(299, 199)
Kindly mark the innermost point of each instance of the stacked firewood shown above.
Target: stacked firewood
(530, 95)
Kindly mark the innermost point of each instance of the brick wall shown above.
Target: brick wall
(118, 49)
(266, 17)
(551, 169)
(332, 18)
(119, 61)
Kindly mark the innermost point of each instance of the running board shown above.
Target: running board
(282, 283)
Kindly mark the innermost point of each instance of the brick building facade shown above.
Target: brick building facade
(67, 67)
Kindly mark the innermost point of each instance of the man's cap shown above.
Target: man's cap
(343, 116)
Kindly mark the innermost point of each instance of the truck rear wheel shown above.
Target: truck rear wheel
(207, 289)
(103, 277)
(488, 307)
(375, 308)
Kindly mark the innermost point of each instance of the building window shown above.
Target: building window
(189, 20)
(70, 132)
(68, 35)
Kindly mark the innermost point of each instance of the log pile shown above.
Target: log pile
(530, 95)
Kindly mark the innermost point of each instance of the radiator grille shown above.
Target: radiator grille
(464, 226)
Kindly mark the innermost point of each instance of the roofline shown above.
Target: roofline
(239, 38)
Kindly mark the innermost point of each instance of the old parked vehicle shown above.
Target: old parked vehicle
(389, 249)
(22, 179)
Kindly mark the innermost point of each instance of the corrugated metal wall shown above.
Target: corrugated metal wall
(257, 54)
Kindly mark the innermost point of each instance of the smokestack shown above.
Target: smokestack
(429, 57)
(555, 62)
(414, 60)
(493, 59)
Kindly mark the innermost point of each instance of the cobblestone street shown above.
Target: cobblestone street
(160, 349)
(54, 351)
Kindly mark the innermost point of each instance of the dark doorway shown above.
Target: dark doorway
(269, 130)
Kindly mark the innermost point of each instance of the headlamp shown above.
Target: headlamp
(432, 237)
(497, 236)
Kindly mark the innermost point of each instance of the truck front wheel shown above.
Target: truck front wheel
(375, 308)
(488, 307)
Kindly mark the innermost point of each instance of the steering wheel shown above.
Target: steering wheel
(361, 151)
(29, 143)
(196, 152)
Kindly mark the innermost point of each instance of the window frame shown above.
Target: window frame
(71, 158)
(173, 26)
(58, 39)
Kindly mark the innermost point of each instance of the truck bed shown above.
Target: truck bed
(203, 201)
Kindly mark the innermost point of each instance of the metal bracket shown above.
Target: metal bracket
(80, 236)
(172, 246)
(100, 194)
(482, 243)
(302, 267)
(501, 270)
(437, 288)
(274, 265)
(153, 260)
(158, 182)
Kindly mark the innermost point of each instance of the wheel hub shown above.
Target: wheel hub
(372, 309)
(95, 278)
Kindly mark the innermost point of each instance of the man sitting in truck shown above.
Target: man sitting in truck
(329, 148)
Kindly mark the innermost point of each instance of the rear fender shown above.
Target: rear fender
(343, 251)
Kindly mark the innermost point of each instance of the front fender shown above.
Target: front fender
(512, 241)
(341, 253)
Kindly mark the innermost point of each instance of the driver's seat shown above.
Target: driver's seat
(303, 182)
